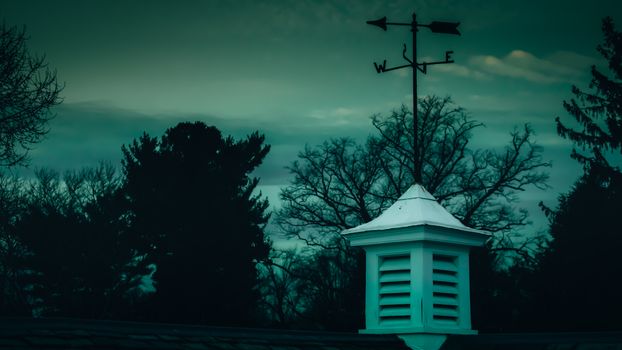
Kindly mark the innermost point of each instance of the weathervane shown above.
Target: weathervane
(435, 27)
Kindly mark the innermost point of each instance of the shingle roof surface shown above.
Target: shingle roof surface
(415, 207)
(103, 335)
(536, 341)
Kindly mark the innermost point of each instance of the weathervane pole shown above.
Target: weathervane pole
(435, 27)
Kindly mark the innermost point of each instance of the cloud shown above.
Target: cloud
(462, 71)
(336, 116)
(559, 67)
(402, 73)
(454, 69)
(83, 134)
(343, 112)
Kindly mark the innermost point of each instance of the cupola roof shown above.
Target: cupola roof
(415, 207)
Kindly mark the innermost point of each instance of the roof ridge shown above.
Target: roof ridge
(416, 197)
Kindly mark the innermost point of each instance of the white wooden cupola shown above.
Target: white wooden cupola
(417, 261)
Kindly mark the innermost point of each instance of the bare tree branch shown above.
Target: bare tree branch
(341, 184)
(28, 90)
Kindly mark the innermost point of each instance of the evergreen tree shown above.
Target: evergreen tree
(196, 218)
(599, 111)
(574, 286)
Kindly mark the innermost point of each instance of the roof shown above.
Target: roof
(536, 341)
(57, 333)
(415, 207)
(30, 333)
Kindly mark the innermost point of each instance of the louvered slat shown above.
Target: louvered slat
(395, 299)
(445, 277)
(447, 320)
(395, 276)
(445, 289)
(445, 312)
(401, 262)
(394, 288)
(395, 311)
(444, 265)
(445, 300)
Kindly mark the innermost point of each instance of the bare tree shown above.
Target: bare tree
(341, 184)
(14, 300)
(313, 289)
(28, 90)
(64, 245)
(282, 286)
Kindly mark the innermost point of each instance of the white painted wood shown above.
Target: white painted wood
(417, 257)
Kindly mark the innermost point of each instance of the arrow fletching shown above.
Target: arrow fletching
(444, 27)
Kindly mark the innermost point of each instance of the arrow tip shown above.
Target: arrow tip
(382, 23)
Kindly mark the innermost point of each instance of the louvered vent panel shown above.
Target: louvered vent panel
(445, 289)
(394, 290)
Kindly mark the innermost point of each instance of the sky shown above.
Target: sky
(301, 72)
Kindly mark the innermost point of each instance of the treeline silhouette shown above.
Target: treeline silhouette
(174, 237)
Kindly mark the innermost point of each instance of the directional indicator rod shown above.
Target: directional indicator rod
(381, 68)
(422, 67)
(425, 65)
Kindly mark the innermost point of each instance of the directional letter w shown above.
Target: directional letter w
(380, 68)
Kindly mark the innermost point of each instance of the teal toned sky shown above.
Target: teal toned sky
(301, 71)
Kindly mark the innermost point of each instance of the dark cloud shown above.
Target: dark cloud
(84, 134)
(301, 71)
